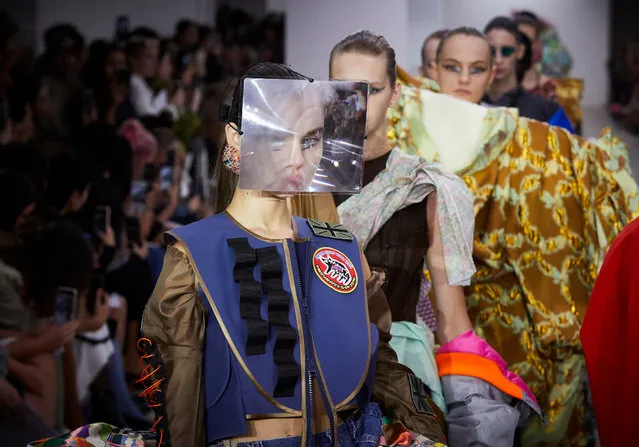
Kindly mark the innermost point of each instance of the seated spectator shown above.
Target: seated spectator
(186, 35)
(143, 62)
(68, 187)
(18, 200)
(60, 70)
(28, 160)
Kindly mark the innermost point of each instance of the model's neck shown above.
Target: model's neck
(262, 213)
(500, 87)
(376, 145)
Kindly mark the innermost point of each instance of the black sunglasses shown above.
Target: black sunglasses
(506, 52)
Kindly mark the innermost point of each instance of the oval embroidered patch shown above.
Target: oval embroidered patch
(335, 270)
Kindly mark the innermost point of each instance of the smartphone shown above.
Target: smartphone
(98, 281)
(115, 301)
(101, 219)
(121, 26)
(139, 190)
(166, 178)
(88, 101)
(133, 231)
(66, 302)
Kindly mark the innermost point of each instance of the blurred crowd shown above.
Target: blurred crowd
(104, 145)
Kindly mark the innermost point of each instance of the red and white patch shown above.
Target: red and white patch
(335, 270)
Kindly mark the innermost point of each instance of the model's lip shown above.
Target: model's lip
(295, 182)
(463, 92)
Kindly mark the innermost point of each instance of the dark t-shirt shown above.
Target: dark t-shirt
(529, 105)
(398, 250)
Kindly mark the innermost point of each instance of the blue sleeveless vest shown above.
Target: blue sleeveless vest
(281, 315)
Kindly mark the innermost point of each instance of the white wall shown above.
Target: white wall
(314, 27)
(276, 5)
(96, 18)
(424, 17)
(583, 27)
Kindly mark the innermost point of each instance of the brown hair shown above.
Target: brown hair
(367, 42)
(528, 18)
(462, 31)
(231, 112)
(437, 35)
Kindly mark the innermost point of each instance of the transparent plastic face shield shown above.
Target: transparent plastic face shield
(302, 137)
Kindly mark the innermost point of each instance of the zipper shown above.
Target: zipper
(310, 373)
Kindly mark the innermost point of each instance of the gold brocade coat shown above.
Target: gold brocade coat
(548, 204)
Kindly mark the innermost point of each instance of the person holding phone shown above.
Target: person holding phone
(162, 198)
(143, 60)
(56, 271)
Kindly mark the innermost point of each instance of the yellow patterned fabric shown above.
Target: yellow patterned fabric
(569, 93)
(547, 206)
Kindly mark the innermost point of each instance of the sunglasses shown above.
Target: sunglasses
(506, 52)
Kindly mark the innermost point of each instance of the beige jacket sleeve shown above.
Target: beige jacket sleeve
(175, 321)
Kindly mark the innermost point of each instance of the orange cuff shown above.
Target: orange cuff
(473, 365)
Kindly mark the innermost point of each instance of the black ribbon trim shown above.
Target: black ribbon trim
(279, 301)
(250, 296)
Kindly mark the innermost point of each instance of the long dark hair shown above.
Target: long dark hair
(231, 112)
(527, 61)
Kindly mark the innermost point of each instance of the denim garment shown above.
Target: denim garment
(364, 429)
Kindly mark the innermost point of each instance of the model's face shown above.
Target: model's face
(283, 152)
(297, 151)
(430, 50)
(506, 52)
(464, 68)
(372, 69)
